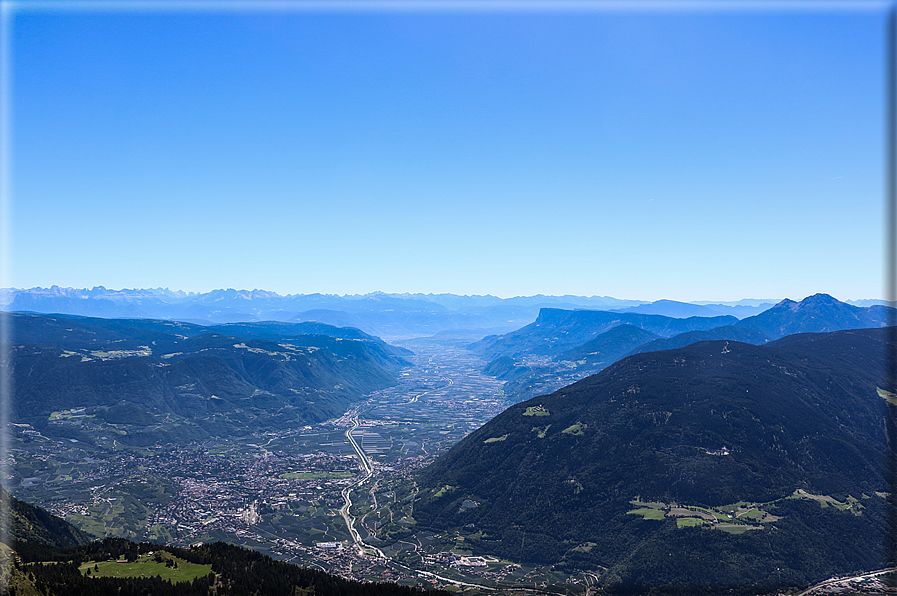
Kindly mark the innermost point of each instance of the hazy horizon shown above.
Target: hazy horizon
(160, 289)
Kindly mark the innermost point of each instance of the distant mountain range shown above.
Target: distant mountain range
(713, 467)
(556, 330)
(180, 381)
(581, 342)
(378, 313)
(673, 308)
(381, 314)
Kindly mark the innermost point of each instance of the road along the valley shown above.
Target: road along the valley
(347, 493)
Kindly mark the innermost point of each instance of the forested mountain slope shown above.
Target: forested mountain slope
(30, 523)
(709, 425)
(183, 381)
(817, 313)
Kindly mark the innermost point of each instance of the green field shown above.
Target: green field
(648, 513)
(887, 395)
(745, 512)
(67, 415)
(735, 528)
(315, 475)
(445, 489)
(540, 432)
(575, 430)
(536, 411)
(148, 566)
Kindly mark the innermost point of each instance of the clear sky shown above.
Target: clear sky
(690, 155)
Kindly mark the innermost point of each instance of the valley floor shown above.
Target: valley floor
(290, 493)
(281, 492)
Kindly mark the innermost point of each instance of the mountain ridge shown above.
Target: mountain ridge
(708, 424)
(817, 313)
(380, 313)
(556, 330)
(174, 380)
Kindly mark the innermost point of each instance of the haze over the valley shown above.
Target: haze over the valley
(490, 296)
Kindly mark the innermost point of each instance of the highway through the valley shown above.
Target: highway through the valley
(364, 548)
(437, 383)
(368, 468)
(368, 471)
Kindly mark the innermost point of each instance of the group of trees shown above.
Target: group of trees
(236, 572)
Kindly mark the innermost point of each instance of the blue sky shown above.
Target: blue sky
(691, 155)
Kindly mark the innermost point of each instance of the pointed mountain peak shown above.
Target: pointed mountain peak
(819, 300)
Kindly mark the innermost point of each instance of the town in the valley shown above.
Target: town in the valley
(291, 494)
(336, 496)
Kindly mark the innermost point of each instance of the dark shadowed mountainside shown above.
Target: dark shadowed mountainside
(556, 479)
(730, 332)
(610, 346)
(505, 368)
(30, 523)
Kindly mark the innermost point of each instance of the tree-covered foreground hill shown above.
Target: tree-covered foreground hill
(53, 558)
(220, 570)
(720, 465)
